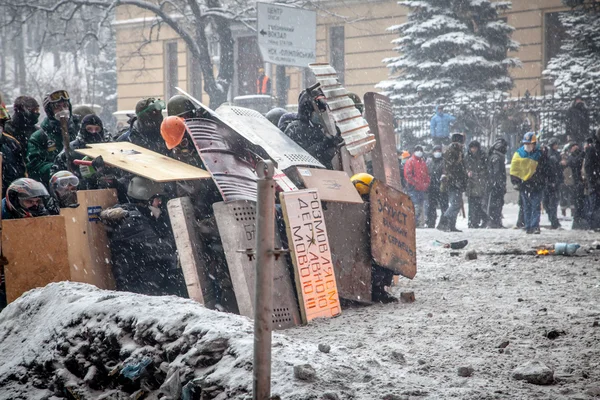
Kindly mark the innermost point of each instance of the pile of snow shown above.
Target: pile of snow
(72, 340)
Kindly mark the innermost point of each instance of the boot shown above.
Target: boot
(443, 224)
(380, 295)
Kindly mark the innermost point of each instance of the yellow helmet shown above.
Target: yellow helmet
(362, 182)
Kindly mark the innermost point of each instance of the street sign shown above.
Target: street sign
(286, 35)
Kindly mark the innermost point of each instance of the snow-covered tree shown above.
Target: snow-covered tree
(576, 69)
(450, 50)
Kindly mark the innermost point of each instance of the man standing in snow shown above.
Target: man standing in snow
(455, 182)
(592, 173)
(440, 126)
(497, 182)
(435, 197)
(555, 181)
(578, 121)
(476, 165)
(417, 182)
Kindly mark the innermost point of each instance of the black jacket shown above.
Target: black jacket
(592, 166)
(455, 167)
(575, 162)
(20, 130)
(13, 160)
(312, 139)
(555, 170)
(476, 164)
(578, 122)
(436, 170)
(147, 137)
(497, 171)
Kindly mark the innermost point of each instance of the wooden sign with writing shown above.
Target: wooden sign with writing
(309, 247)
(393, 236)
(331, 185)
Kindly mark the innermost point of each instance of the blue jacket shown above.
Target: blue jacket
(440, 124)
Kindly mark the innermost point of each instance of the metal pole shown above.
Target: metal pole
(282, 89)
(263, 293)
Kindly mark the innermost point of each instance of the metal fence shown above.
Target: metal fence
(488, 120)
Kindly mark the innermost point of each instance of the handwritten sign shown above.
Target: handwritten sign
(332, 185)
(393, 237)
(309, 246)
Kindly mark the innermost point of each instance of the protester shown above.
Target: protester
(574, 161)
(436, 198)
(26, 113)
(263, 82)
(25, 198)
(440, 126)
(528, 172)
(455, 181)
(181, 106)
(592, 173)
(13, 154)
(578, 121)
(63, 192)
(402, 159)
(47, 142)
(555, 180)
(417, 183)
(275, 115)
(79, 112)
(476, 166)
(144, 128)
(144, 255)
(496, 183)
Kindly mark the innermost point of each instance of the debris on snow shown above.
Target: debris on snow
(471, 255)
(465, 372)
(305, 372)
(324, 348)
(534, 372)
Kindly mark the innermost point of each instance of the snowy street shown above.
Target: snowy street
(486, 316)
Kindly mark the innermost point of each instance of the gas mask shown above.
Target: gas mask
(31, 117)
(65, 189)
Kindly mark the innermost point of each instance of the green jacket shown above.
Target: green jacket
(43, 147)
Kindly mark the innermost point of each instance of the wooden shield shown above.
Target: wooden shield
(393, 236)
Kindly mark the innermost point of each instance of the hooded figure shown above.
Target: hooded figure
(24, 121)
(575, 161)
(555, 181)
(476, 165)
(440, 125)
(592, 173)
(308, 132)
(578, 121)
(47, 142)
(144, 129)
(275, 115)
(496, 182)
(13, 154)
(455, 182)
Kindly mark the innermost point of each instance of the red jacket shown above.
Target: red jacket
(416, 173)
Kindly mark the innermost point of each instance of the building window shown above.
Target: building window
(194, 76)
(171, 69)
(336, 50)
(554, 35)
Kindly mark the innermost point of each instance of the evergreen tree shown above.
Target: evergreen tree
(576, 68)
(450, 50)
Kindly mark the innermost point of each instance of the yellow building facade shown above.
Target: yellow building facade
(351, 35)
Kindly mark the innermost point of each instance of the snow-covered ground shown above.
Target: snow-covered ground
(492, 314)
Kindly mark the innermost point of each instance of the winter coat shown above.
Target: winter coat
(578, 122)
(592, 166)
(529, 170)
(454, 166)
(20, 130)
(435, 166)
(416, 174)
(497, 171)
(43, 147)
(575, 162)
(440, 124)
(555, 170)
(13, 160)
(146, 137)
(312, 139)
(476, 166)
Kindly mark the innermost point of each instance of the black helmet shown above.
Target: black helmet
(181, 106)
(275, 114)
(357, 101)
(150, 110)
(55, 97)
(26, 189)
(91, 137)
(144, 189)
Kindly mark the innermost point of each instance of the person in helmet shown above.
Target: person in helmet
(555, 180)
(528, 171)
(79, 112)
(47, 142)
(181, 106)
(496, 182)
(25, 198)
(141, 242)
(275, 115)
(13, 154)
(144, 128)
(63, 192)
(26, 113)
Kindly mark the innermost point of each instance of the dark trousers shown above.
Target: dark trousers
(594, 210)
(579, 217)
(495, 204)
(550, 202)
(435, 200)
(477, 216)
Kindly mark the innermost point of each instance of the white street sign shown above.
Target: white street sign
(287, 35)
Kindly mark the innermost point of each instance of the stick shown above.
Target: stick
(64, 127)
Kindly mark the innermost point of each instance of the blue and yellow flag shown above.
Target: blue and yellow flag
(524, 164)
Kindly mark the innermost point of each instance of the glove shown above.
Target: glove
(114, 214)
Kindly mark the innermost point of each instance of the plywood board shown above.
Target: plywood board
(143, 162)
(331, 185)
(309, 246)
(393, 235)
(37, 253)
(88, 247)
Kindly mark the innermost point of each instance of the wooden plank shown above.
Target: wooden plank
(37, 253)
(331, 185)
(393, 235)
(309, 247)
(88, 246)
(196, 276)
(143, 162)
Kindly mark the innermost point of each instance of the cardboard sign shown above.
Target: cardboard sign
(331, 185)
(309, 247)
(393, 236)
(143, 162)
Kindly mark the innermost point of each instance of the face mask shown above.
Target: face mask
(418, 154)
(155, 211)
(31, 118)
(315, 118)
(437, 154)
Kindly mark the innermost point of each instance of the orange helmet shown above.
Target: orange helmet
(172, 130)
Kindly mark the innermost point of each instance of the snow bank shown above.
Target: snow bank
(73, 337)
